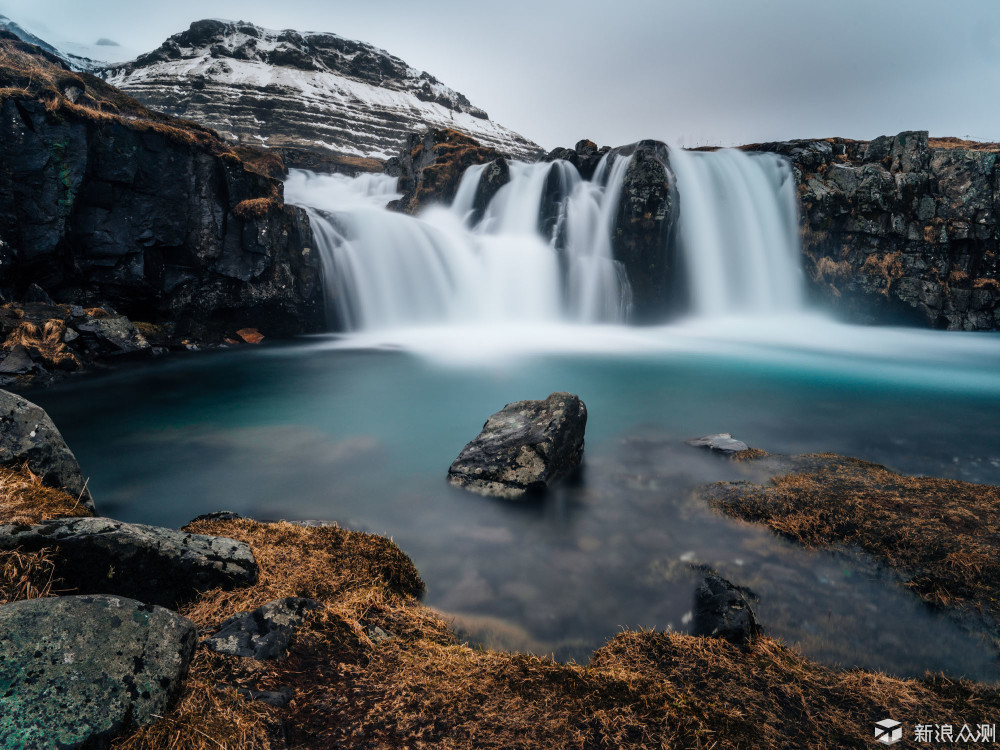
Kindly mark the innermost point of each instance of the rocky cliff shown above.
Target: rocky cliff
(103, 201)
(901, 229)
(325, 101)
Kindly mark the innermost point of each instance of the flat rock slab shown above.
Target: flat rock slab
(263, 633)
(27, 435)
(723, 442)
(149, 563)
(76, 671)
(523, 448)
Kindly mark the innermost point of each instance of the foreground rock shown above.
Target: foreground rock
(153, 564)
(27, 435)
(523, 448)
(76, 671)
(721, 610)
(263, 633)
(903, 228)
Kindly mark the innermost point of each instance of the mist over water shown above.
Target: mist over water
(446, 317)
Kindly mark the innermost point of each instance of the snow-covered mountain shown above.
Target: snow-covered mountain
(309, 92)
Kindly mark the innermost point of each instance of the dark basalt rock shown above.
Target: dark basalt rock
(585, 156)
(721, 610)
(27, 435)
(96, 211)
(642, 239)
(901, 229)
(523, 448)
(149, 563)
(265, 632)
(494, 177)
(431, 167)
(76, 671)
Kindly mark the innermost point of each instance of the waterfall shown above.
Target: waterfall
(541, 252)
(738, 231)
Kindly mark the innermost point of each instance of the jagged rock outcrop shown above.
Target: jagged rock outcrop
(642, 238)
(103, 201)
(902, 228)
(431, 166)
(332, 102)
(523, 448)
(78, 670)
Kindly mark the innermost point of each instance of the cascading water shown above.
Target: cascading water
(386, 269)
(738, 231)
(541, 252)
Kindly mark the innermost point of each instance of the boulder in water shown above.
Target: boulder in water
(523, 448)
(721, 442)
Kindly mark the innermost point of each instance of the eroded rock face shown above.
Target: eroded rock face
(721, 610)
(263, 633)
(149, 563)
(96, 212)
(902, 229)
(523, 448)
(27, 434)
(431, 166)
(75, 671)
(642, 238)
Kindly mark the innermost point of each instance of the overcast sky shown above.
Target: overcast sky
(692, 71)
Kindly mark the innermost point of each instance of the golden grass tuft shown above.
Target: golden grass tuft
(45, 341)
(986, 283)
(422, 689)
(827, 268)
(255, 208)
(25, 500)
(941, 534)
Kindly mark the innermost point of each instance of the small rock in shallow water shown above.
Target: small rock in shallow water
(263, 633)
(523, 448)
(722, 611)
(723, 442)
(78, 670)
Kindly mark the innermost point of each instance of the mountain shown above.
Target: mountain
(81, 57)
(317, 97)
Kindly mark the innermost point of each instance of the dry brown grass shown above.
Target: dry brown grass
(422, 689)
(950, 143)
(255, 208)
(941, 534)
(24, 499)
(888, 266)
(46, 342)
(826, 267)
(986, 284)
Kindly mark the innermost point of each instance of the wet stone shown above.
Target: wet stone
(722, 442)
(721, 610)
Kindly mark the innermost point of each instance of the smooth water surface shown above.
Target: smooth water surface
(362, 429)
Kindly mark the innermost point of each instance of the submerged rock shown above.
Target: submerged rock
(27, 435)
(722, 611)
(263, 633)
(523, 448)
(721, 442)
(75, 671)
(149, 563)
